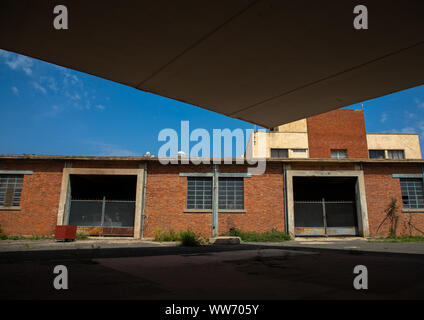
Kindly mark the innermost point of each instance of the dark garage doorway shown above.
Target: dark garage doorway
(325, 206)
(103, 204)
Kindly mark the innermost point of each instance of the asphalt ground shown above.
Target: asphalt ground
(258, 272)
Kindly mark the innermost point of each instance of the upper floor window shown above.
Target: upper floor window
(279, 153)
(396, 154)
(412, 193)
(299, 150)
(377, 154)
(339, 153)
(199, 193)
(10, 190)
(231, 193)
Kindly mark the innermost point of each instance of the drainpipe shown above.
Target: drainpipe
(143, 200)
(422, 170)
(286, 223)
(215, 202)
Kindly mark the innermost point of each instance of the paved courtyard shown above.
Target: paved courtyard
(154, 271)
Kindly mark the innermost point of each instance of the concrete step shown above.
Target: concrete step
(224, 240)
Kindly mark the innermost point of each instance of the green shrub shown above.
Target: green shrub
(81, 235)
(189, 238)
(270, 236)
(37, 237)
(166, 236)
(4, 236)
(404, 239)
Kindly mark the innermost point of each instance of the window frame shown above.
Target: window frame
(16, 197)
(377, 150)
(189, 206)
(410, 184)
(395, 150)
(338, 152)
(225, 176)
(240, 182)
(279, 150)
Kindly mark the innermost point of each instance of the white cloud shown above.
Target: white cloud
(100, 107)
(52, 112)
(383, 117)
(106, 149)
(410, 115)
(409, 130)
(15, 90)
(419, 103)
(50, 83)
(18, 62)
(39, 87)
(4, 54)
(73, 96)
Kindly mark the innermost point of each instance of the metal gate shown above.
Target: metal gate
(111, 217)
(325, 218)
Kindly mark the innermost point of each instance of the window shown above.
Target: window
(377, 154)
(299, 150)
(396, 154)
(199, 193)
(279, 153)
(231, 193)
(412, 193)
(10, 190)
(339, 153)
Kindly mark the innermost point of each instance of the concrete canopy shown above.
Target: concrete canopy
(266, 62)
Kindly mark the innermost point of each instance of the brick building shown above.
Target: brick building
(324, 176)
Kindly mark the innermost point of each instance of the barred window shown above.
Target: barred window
(377, 154)
(10, 190)
(396, 154)
(412, 193)
(199, 193)
(339, 153)
(231, 193)
(279, 153)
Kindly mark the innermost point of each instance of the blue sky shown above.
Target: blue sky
(47, 109)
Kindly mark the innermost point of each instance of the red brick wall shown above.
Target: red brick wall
(263, 202)
(100, 164)
(166, 197)
(39, 199)
(380, 189)
(166, 201)
(323, 167)
(338, 129)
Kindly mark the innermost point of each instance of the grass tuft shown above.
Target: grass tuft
(270, 236)
(404, 239)
(82, 235)
(189, 239)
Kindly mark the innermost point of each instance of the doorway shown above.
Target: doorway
(103, 204)
(325, 206)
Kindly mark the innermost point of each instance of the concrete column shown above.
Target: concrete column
(215, 201)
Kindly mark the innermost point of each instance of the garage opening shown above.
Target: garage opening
(103, 204)
(325, 206)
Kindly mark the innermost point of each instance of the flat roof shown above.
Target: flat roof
(156, 159)
(396, 134)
